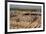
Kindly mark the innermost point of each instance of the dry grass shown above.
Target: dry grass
(29, 21)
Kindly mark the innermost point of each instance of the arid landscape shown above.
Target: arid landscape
(25, 19)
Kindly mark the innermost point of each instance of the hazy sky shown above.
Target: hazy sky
(25, 6)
